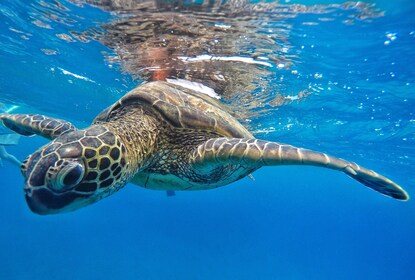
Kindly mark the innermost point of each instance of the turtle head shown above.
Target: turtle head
(74, 170)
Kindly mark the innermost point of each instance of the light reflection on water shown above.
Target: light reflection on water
(150, 38)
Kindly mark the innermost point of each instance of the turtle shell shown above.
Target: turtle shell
(181, 108)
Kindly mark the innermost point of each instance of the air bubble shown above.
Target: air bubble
(318, 76)
(391, 36)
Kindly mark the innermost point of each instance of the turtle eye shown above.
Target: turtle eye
(73, 176)
(69, 176)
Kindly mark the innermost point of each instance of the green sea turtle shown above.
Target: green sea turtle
(159, 136)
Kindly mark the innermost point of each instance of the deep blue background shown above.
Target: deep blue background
(290, 223)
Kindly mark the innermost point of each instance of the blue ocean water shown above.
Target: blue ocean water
(291, 222)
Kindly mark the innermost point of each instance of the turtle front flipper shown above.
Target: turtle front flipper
(254, 153)
(30, 124)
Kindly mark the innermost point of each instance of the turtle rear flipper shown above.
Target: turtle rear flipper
(31, 124)
(254, 153)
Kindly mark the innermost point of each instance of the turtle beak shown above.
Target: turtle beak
(44, 201)
(33, 201)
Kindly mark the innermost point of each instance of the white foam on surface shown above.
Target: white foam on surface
(206, 57)
(66, 72)
(194, 86)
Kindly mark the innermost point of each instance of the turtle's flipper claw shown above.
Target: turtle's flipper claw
(31, 124)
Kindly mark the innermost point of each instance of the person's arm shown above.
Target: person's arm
(5, 155)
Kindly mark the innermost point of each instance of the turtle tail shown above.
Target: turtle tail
(257, 153)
